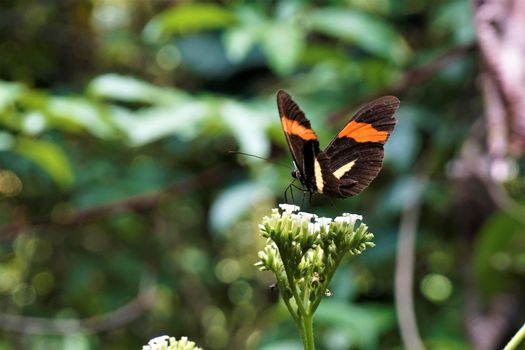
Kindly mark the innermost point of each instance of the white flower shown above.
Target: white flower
(322, 221)
(314, 227)
(347, 218)
(289, 208)
(308, 216)
(165, 342)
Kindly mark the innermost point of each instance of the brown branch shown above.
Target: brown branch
(141, 202)
(410, 78)
(105, 322)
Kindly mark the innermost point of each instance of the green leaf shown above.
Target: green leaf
(370, 33)
(49, 157)
(128, 89)
(187, 18)
(151, 124)
(75, 113)
(455, 19)
(283, 43)
(239, 41)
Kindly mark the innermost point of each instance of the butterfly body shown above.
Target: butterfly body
(353, 158)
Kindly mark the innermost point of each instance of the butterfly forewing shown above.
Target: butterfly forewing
(301, 138)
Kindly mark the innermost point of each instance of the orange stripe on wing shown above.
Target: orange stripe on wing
(363, 132)
(292, 127)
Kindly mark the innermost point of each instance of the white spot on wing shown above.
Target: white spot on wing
(318, 176)
(342, 170)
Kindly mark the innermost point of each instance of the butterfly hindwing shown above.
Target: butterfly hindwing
(356, 153)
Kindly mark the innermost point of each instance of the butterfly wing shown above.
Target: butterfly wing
(355, 155)
(302, 140)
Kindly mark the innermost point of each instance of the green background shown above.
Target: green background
(121, 207)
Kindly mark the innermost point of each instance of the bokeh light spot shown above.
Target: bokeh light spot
(62, 213)
(168, 57)
(192, 260)
(216, 337)
(240, 292)
(34, 123)
(25, 247)
(10, 184)
(227, 270)
(436, 287)
(43, 251)
(213, 316)
(43, 282)
(23, 295)
(96, 241)
(520, 263)
(244, 313)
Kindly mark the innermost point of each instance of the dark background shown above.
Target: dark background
(124, 217)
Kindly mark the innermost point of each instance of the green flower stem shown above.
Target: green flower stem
(308, 329)
(293, 287)
(516, 339)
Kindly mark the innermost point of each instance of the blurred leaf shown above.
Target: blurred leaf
(498, 254)
(49, 157)
(187, 18)
(248, 126)
(151, 124)
(361, 323)
(128, 89)
(9, 93)
(239, 41)
(6, 141)
(370, 33)
(315, 53)
(455, 18)
(234, 202)
(283, 43)
(75, 113)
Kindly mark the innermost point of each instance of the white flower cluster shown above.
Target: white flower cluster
(165, 342)
(315, 223)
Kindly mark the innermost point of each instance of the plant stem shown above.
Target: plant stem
(516, 339)
(307, 329)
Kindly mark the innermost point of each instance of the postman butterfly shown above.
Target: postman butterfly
(353, 158)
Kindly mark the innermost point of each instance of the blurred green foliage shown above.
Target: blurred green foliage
(116, 118)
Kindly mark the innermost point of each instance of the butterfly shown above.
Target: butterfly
(353, 158)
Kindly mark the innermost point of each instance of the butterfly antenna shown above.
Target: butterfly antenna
(254, 156)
